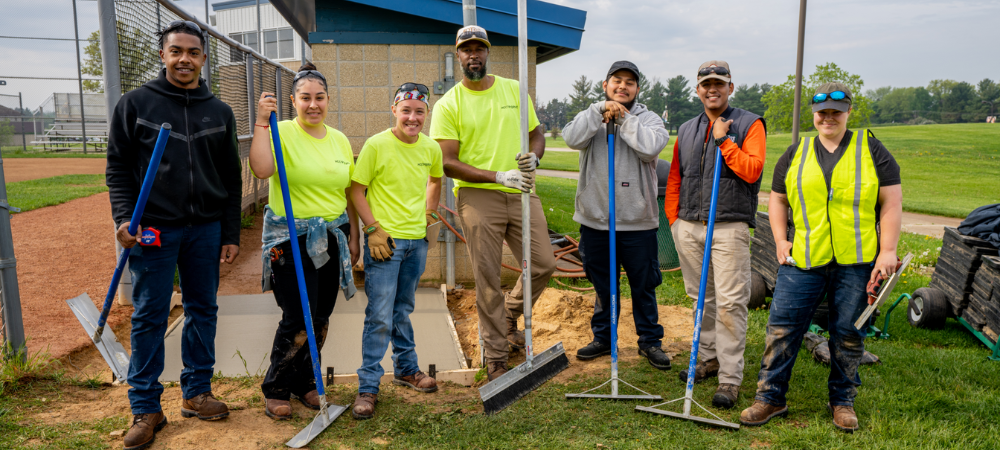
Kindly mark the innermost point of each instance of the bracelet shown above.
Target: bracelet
(262, 126)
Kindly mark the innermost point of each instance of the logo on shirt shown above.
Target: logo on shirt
(340, 161)
(423, 164)
(508, 107)
(207, 119)
(732, 137)
(625, 184)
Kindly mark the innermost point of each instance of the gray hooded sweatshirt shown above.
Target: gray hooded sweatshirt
(640, 139)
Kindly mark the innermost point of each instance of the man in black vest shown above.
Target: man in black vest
(741, 136)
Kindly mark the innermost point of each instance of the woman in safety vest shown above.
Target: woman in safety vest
(842, 189)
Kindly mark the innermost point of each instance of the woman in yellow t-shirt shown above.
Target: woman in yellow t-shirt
(319, 164)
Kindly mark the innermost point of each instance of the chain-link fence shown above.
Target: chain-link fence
(237, 75)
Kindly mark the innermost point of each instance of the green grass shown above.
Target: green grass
(566, 161)
(34, 194)
(558, 199)
(18, 152)
(947, 170)
(557, 142)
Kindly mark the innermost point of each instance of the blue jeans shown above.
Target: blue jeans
(194, 251)
(797, 293)
(391, 287)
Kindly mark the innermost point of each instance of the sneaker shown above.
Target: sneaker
(419, 382)
(760, 413)
(143, 430)
(593, 350)
(494, 369)
(702, 370)
(205, 407)
(844, 417)
(656, 357)
(726, 395)
(364, 406)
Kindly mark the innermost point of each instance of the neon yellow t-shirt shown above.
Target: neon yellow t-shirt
(318, 171)
(396, 175)
(487, 125)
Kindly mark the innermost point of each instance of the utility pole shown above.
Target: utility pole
(798, 72)
(79, 79)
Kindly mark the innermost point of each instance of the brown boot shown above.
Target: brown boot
(844, 417)
(760, 413)
(726, 395)
(277, 409)
(310, 400)
(702, 370)
(143, 430)
(204, 406)
(515, 337)
(495, 368)
(364, 406)
(419, 381)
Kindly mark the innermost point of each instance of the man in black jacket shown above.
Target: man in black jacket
(193, 213)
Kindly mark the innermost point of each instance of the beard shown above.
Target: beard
(628, 105)
(474, 75)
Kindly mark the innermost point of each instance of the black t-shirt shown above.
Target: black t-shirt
(885, 165)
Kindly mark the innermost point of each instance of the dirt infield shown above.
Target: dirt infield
(23, 169)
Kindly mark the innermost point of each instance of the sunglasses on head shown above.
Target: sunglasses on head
(716, 70)
(835, 95)
(184, 23)
(308, 72)
(406, 87)
(469, 34)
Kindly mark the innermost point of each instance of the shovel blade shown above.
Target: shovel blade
(111, 350)
(320, 423)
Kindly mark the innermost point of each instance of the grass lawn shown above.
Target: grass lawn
(34, 194)
(555, 142)
(18, 152)
(566, 161)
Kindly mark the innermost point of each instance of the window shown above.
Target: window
(248, 39)
(278, 44)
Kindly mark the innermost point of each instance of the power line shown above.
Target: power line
(47, 78)
(43, 38)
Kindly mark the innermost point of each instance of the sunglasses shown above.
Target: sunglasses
(183, 23)
(835, 95)
(469, 34)
(406, 87)
(308, 72)
(716, 70)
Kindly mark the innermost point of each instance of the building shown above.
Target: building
(277, 40)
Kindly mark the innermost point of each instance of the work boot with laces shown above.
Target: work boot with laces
(310, 399)
(495, 368)
(364, 406)
(844, 417)
(419, 382)
(205, 407)
(656, 357)
(277, 409)
(702, 371)
(760, 413)
(726, 395)
(143, 430)
(515, 337)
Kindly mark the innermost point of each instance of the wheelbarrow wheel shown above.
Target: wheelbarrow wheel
(758, 291)
(928, 309)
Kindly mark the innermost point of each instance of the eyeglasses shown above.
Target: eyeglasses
(308, 72)
(835, 95)
(716, 70)
(413, 86)
(184, 23)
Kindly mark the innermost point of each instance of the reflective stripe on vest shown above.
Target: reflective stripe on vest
(839, 221)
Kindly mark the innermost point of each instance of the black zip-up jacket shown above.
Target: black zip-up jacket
(199, 178)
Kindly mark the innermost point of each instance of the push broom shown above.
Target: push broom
(83, 307)
(699, 311)
(614, 291)
(327, 412)
(536, 369)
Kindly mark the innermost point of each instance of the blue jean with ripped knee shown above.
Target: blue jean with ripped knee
(797, 293)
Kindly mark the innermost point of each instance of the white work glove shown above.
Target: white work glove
(527, 162)
(524, 181)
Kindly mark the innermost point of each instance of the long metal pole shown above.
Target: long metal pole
(79, 78)
(468, 18)
(522, 78)
(9, 293)
(20, 106)
(798, 72)
(469, 12)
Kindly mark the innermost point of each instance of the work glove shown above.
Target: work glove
(380, 244)
(524, 181)
(527, 162)
(432, 217)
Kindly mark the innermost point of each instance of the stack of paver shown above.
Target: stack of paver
(763, 251)
(961, 256)
(983, 312)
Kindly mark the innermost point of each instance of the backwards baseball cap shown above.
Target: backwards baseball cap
(714, 69)
(623, 65)
(832, 95)
(472, 33)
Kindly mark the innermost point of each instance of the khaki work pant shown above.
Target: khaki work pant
(727, 293)
(490, 217)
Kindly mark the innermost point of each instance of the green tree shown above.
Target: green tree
(780, 100)
(749, 98)
(876, 94)
(580, 98)
(92, 63)
(6, 132)
(553, 114)
(655, 100)
(681, 106)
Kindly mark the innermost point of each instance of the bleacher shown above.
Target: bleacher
(67, 135)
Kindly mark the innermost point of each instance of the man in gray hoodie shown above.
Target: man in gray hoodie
(639, 139)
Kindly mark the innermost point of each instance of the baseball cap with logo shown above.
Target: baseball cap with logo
(623, 65)
(472, 33)
(829, 101)
(714, 69)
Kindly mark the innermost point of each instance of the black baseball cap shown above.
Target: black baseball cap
(623, 65)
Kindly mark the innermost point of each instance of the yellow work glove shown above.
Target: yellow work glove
(380, 244)
(432, 217)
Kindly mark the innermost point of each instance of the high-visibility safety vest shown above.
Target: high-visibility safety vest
(839, 221)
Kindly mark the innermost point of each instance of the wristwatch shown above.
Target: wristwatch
(719, 141)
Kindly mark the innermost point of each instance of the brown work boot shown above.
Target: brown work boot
(844, 417)
(726, 395)
(419, 382)
(310, 400)
(515, 337)
(277, 409)
(364, 406)
(702, 371)
(760, 413)
(204, 406)
(143, 430)
(495, 368)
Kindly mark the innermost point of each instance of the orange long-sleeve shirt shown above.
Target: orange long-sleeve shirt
(747, 163)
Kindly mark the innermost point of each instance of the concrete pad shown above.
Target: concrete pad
(247, 323)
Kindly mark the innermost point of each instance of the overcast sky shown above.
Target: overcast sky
(887, 42)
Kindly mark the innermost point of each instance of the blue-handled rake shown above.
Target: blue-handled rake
(614, 292)
(83, 307)
(327, 412)
(699, 311)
